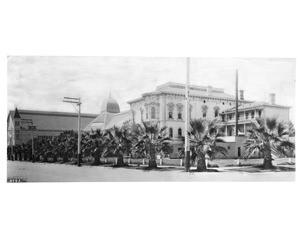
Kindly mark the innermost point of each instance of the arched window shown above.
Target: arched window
(153, 112)
(216, 113)
(179, 111)
(179, 132)
(216, 108)
(170, 132)
(204, 110)
(133, 116)
(190, 111)
(142, 112)
(170, 109)
(179, 115)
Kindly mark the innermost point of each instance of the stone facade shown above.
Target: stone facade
(166, 106)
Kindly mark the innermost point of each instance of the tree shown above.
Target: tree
(93, 145)
(151, 139)
(291, 129)
(204, 136)
(268, 137)
(119, 143)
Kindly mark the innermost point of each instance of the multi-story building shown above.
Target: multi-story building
(247, 112)
(165, 106)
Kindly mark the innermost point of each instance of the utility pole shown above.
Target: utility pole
(77, 101)
(236, 104)
(187, 118)
(32, 128)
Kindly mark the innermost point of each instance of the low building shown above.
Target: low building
(47, 123)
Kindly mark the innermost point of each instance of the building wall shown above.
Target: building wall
(47, 124)
(232, 145)
(163, 103)
(281, 113)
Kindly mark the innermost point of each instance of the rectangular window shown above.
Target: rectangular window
(252, 114)
(247, 115)
(179, 116)
(259, 113)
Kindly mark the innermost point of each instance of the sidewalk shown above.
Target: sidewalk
(41, 172)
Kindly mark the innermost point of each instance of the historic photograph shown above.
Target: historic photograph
(124, 119)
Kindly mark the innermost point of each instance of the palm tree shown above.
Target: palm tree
(119, 143)
(152, 140)
(291, 129)
(93, 145)
(268, 137)
(204, 136)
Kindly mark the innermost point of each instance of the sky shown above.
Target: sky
(41, 82)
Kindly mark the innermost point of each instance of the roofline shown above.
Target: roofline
(55, 113)
(232, 110)
(191, 95)
(197, 87)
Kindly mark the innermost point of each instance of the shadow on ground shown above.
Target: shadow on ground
(259, 168)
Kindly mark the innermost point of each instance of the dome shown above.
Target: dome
(110, 105)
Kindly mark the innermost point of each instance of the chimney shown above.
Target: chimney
(272, 99)
(209, 90)
(241, 94)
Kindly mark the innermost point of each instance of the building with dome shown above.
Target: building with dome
(110, 116)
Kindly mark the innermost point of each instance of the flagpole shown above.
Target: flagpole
(236, 103)
(187, 118)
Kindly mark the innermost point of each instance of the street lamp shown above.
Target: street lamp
(76, 101)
